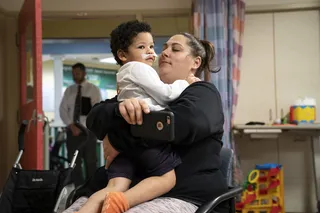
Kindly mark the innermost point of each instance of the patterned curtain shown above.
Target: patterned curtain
(222, 23)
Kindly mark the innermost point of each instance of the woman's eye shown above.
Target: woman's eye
(164, 47)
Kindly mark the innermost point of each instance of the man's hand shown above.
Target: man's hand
(109, 152)
(75, 130)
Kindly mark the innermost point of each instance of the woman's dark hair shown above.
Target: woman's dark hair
(205, 50)
(123, 35)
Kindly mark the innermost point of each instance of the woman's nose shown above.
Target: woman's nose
(165, 53)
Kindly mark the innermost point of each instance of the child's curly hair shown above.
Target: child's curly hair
(123, 35)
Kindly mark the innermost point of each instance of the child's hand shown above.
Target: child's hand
(191, 79)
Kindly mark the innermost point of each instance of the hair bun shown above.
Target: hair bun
(210, 56)
(215, 69)
(209, 48)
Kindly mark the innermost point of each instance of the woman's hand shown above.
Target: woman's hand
(109, 152)
(131, 110)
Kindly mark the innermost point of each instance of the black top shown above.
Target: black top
(199, 123)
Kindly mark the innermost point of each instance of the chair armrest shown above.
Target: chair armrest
(210, 205)
(71, 198)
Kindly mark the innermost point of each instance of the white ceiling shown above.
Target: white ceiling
(142, 5)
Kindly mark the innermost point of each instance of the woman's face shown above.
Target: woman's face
(176, 61)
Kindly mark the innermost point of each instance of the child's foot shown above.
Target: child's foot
(115, 202)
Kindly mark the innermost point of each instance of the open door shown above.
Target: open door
(30, 50)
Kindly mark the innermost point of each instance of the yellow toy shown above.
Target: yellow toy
(264, 190)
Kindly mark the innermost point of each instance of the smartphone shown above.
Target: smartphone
(157, 125)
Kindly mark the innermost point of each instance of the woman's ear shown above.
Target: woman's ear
(196, 63)
(122, 55)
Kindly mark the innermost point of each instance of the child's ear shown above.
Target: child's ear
(121, 55)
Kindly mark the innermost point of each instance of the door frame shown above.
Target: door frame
(31, 66)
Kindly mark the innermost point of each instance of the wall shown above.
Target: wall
(9, 94)
(102, 6)
(47, 83)
(2, 65)
(102, 28)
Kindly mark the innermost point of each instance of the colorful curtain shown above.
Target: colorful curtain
(222, 23)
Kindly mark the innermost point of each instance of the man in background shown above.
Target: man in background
(76, 103)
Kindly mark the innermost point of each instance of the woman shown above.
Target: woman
(198, 127)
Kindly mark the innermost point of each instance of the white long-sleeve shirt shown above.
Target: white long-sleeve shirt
(69, 97)
(139, 80)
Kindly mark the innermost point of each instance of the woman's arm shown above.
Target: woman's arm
(101, 116)
(198, 113)
(105, 119)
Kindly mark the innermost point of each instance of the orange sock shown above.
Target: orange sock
(115, 202)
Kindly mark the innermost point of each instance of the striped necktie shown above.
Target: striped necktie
(77, 106)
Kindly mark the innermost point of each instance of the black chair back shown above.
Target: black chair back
(227, 158)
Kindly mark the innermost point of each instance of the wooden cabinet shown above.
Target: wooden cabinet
(281, 63)
(256, 100)
(293, 152)
(299, 184)
(173, 24)
(297, 55)
(281, 54)
(255, 151)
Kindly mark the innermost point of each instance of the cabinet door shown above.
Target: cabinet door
(255, 151)
(297, 57)
(257, 89)
(299, 185)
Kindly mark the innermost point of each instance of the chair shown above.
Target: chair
(37, 190)
(227, 157)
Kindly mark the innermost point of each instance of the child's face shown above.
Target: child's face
(141, 44)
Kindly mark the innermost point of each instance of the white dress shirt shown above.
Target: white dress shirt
(139, 80)
(69, 97)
